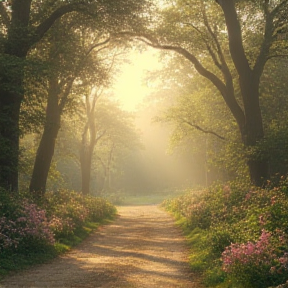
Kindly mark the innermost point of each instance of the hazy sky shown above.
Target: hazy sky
(129, 87)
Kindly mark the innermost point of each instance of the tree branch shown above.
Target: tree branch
(276, 56)
(223, 64)
(235, 37)
(278, 8)
(65, 94)
(100, 136)
(224, 90)
(97, 45)
(265, 46)
(203, 130)
(58, 13)
(198, 66)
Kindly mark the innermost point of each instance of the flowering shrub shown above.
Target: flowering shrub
(255, 219)
(256, 264)
(98, 208)
(6, 239)
(33, 233)
(24, 225)
(204, 208)
(34, 223)
(258, 253)
(60, 226)
(69, 210)
(28, 223)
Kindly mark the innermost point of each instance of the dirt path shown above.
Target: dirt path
(142, 248)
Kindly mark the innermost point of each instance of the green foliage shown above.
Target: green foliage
(238, 234)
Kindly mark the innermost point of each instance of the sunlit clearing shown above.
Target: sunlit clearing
(130, 87)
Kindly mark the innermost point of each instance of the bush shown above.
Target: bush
(33, 233)
(258, 264)
(70, 210)
(245, 225)
(22, 224)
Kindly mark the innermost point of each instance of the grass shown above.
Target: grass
(144, 199)
(201, 258)
(23, 260)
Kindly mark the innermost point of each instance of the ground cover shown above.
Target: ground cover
(238, 234)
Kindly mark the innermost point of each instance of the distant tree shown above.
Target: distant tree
(90, 137)
(120, 138)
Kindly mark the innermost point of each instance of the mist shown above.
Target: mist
(153, 168)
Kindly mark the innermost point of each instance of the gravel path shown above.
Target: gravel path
(142, 248)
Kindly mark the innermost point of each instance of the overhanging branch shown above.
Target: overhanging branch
(58, 13)
(203, 130)
(226, 91)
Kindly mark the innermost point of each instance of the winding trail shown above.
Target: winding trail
(141, 249)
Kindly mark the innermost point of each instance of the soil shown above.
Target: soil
(142, 249)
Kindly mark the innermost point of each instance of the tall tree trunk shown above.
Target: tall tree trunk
(89, 140)
(11, 96)
(9, 139)
(253, 132)
(249, 80)
(46, 147)
(11, 92)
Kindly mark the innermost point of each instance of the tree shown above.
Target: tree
(119, 138)
(71, 60)
(23, 24)
(206, 32)
(90, 137)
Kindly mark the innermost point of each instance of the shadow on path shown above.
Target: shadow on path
(142, 248)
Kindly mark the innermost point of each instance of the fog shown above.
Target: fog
(153, 168)
(140, 170)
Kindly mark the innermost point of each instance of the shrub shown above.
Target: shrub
(21, 224)
(70, 210)
(254, 219)
(24, 225)
(258, 264)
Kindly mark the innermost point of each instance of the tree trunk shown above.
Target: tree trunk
(46, 147)
(249, 80)
(89, 140)
(9, 139)
(254, 132)
(107, 183)
(11, 93)
(11, 96)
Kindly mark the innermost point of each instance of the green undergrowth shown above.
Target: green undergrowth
(202, 260)
(34, 233)
(238, 234)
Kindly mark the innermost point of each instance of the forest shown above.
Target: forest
(211, 137)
